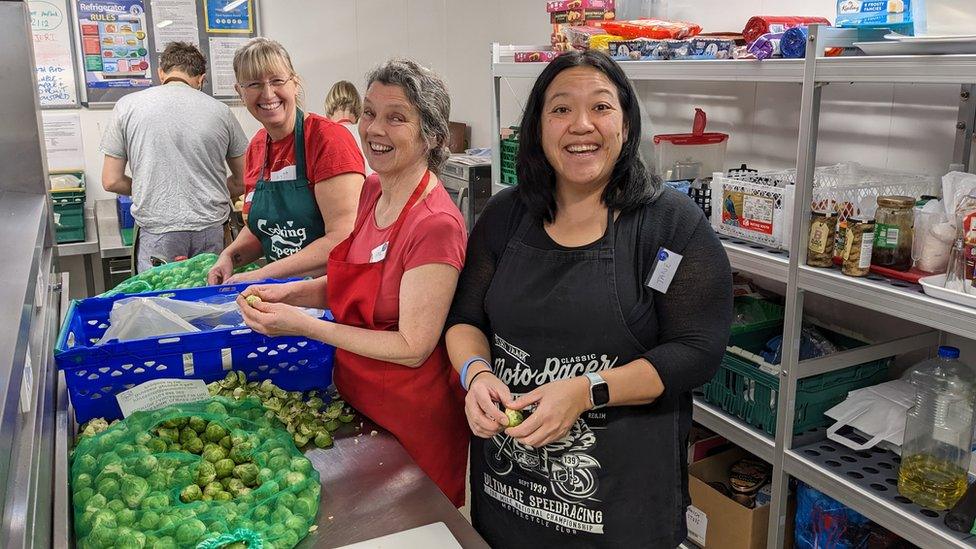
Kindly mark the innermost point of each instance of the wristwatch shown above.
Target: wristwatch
(599, 391)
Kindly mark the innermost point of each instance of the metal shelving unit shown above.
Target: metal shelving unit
(856, 488)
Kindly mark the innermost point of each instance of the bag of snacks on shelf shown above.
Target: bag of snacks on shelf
(652, 28)
(191, 474)
(190, 273)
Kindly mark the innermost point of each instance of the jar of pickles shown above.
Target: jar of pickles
(823, 233)
(893, 232)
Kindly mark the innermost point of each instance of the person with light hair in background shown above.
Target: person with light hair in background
(181, 192)
(391, 282)
(303, 174)
(343, 106)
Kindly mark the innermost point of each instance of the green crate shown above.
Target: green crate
(755, 335)
(741, 389)
(68, 206)
(127, 236)
(509, 178)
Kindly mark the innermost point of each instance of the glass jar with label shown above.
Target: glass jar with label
(858, 246)
(893, 232)
(823, 232)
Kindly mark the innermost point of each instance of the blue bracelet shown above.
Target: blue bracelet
(464, 369)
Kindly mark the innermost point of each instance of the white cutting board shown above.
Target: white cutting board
(425, 537)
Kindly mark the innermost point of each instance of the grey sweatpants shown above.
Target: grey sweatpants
(168, 246)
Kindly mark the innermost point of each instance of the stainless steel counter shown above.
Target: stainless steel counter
(371, 488)
(109, 236)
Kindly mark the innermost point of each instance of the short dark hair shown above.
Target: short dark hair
(630, 187)
(183, 56)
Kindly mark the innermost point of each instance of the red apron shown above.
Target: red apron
(423, 407)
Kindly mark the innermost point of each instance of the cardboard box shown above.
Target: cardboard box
(703, 443)
(458, 137)
(726, 524)
(566, 5)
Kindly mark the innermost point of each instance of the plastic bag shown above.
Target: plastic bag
(155, 316)
(151, 481)
(934, 235)
(823, 522)
(878, 412)
(813, 344)
(955, 187)
(191, 273)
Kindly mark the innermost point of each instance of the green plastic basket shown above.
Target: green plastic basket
(741, 389)
(127, 236)
(68, 206)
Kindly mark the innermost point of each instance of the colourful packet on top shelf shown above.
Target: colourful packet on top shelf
(566, 5)
(655, 29)
(579, 37)
(593, 17)
(901, 16)
(638, 50)
(536, 56)
(700, 48)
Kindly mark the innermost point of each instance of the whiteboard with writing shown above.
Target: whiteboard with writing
(57, 85)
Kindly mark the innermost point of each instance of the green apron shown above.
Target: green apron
(284, 214)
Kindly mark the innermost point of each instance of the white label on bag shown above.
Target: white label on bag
(379, 253)
(666, 264)
(160, 393)
(697, 522)
(284, 174)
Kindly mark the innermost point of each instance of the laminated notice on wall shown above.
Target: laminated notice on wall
(160, 393)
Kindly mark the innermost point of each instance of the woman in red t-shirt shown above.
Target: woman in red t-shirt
(302, 178)
(391, 282)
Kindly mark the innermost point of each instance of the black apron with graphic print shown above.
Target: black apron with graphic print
(615, 480)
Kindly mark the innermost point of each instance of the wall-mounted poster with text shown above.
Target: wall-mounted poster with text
(57, 85)
(114, 47)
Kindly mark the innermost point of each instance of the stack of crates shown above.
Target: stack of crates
(68, 205)
(123, 205)
(509, 147)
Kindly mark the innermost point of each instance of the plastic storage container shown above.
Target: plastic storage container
(745, 391)
(938, 432)
(95, 374)
(509, 155)
(708, 148)
(123, 205)
(68, 206)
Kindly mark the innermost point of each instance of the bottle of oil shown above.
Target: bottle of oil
(938, 432)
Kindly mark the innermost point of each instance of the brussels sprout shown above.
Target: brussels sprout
(96, 503)
(167, 542)
(226, 443)
(157, 445)
(82, 495)
(158, 481)
(294, 479)
(214, 454)
(133, 490)
(296, 523)
(149, 520)
(224, 468)
(126, 517)
(190, 532)
(305, 507)
(190, 493)
(300, 440)
(147, 465)
(252, 300)
(216, 409)
(142, 439)
(198, 424)
(241, 453)
(289, 538)
(301, 464)
(194, 446)
(182, 476)
(187, 434)
(332, 425)
(214, 432)
(248, 473)
(280, 515)
(85, 463)
(286, 499)
(323, 440)
(265, 474)
(103, 517)
(212, 489)
(102, 537)
(108, 487)
(170, 435)
(156, 501)
(115, 505)
(82, 480)
(174, 447)
(515, 417)
(260, 512)
(130, 540)
(347, 418)
(206, 473)
(222, 496)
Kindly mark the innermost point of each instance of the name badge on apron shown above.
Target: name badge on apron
(379, 253)
(665, 265)
(287, 173)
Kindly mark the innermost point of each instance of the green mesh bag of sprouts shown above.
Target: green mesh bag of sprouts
(192, 475)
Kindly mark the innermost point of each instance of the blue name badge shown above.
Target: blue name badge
(665, 265)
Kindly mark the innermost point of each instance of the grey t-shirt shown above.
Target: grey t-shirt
(175, 140)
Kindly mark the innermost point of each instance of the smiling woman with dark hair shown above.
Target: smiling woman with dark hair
(601, 301)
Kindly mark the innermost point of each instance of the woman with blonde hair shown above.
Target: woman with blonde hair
(302, 179)
(343, 106)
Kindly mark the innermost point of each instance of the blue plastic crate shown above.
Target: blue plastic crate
(123, 206)
(95, 374)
